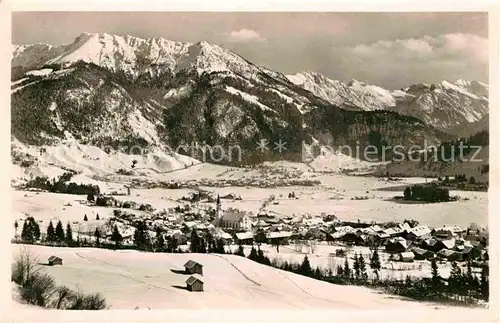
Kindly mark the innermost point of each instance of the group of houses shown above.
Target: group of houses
(418, 243)
(236, 227)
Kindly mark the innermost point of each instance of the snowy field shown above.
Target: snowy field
(335, 196)
(131, 279)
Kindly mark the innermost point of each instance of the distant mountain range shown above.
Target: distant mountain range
(445, 106)
(121, 91)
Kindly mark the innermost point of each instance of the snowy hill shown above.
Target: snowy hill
(230, 282)
(444, 105)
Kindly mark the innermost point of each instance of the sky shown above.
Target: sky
(392, 50)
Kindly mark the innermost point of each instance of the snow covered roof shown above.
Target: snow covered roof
(279, 234)
(192, 279)
(189, 224)
(404, 226)
(376, 228)
(407, 255)
(389, 231)
(401, 241)
(191, 264)
(420, 230)
(52, 258)
(449, 244)
(244, 235)
(453, 229)
(223, 235)
(345, 229)
(232, 216)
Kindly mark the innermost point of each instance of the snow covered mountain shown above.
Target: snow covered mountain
(355, 94)
(444, 105)
(111, 91)
(134, 56)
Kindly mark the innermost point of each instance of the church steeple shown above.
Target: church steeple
(218, 210)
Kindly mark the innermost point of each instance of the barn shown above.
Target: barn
(194, 283)
(192, 267)
(54, 260)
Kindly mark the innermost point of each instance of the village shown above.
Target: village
(203, 213)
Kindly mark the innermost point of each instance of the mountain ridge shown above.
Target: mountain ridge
(172, 95)
(443, 105)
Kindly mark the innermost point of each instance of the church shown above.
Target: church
(234, 220)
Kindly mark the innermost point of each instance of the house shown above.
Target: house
(226, 237)
(54, 260)
(406, 256)
(281, 236)
(193, 267)
(244, 238)
(446, 233)
(429, 244)
(397, 245)
(194, 283)
(469, 252)
(422, 254)
(233, 220)
(418, 232)
(445, 244)
(344, 229)
(450, 255)
(354, 239)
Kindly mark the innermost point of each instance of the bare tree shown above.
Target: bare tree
(64, 295)
(24, 267)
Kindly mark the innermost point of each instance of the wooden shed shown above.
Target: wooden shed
(194, 283)
(192, 267)
(54, 260)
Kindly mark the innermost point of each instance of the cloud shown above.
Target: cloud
(243, 36)
(412, 60)
(449, 46)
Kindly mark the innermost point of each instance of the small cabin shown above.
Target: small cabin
(192, 267)
(54, 260)
(194, 283)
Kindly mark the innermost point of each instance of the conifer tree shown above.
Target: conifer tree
(51, 236)
(195, 242)
(97, 216)
(26, 235)
(241, 251)
(340, 271)
(305, 267)
(141, 236)
(253, 254)
(436, 279)
(59, 232)
(362, 267)
(347, 270)
(484, 283)
(97, 236)
(85, 217)
(159, 241)
(356, 266)
(35, 229)
(69, 235)
(116, 237)
(16, 225)
(375, 263)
